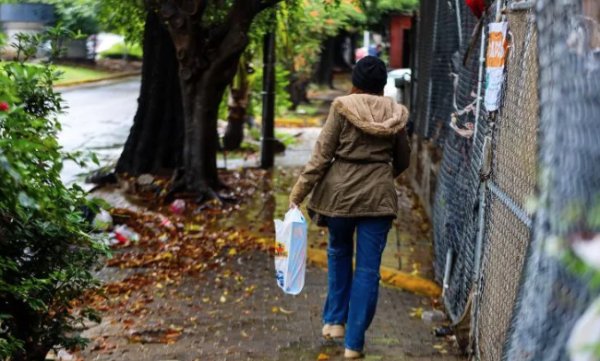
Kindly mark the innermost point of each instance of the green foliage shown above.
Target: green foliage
(46, 253)
(77, 15)
(394, 5)
(576, 217)
(124, 17)
(285, 138)
(282, 97)
(118, 51)
(378, 11)
(302, 30)
(3, 40)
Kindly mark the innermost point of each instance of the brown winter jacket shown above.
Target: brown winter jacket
(362, 148)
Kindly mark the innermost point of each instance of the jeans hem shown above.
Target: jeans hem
(356, 349)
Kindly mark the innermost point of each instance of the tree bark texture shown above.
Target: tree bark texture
(324, 73)
(298, 90)
(239, 94)
(208, 61)
(186, 70)
(156, 138)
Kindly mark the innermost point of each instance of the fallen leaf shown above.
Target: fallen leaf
(159, 286)
(244, 334)
(223, 299)
(275, 310)
(285, 311)
(417, 312)
(323, 357)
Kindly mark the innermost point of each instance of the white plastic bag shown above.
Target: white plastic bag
(290, 251)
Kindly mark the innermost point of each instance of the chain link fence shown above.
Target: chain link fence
(512, 183)
(541, 156)
(552, 296)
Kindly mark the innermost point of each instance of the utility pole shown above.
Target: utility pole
(267, 159)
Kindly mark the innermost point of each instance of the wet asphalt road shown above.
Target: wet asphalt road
(100, 116)
(98, 119)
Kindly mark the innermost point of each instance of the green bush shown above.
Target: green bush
(118, 51)
(47, 254)
(282, 96)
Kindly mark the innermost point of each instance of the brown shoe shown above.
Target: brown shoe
(334, 331)
(352, 355)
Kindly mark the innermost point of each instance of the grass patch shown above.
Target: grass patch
(74, 74)
(133, 52)
(306, 110)
(286, 138)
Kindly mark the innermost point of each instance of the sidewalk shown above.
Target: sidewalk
(233, 309)
(263, 324)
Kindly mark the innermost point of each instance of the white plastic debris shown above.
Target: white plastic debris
(585, 335)
(64, 356)
(433, 316)
(103, 221)
(588, 250)
(178, 206)
(125, 234)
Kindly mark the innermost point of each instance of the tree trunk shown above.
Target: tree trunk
(239, 94)
(208, 61)
(156, 138)
(298, 90)
(324, 74)
(202, 94)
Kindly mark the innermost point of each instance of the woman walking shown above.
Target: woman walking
(362, 148)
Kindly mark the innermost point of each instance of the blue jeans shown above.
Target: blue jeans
(353, 302)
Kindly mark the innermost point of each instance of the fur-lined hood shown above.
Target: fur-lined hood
(375, 115)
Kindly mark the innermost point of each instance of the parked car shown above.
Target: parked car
(390, 89)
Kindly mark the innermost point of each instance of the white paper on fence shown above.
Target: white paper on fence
(495, 62)
(585, 335)
(290, 251)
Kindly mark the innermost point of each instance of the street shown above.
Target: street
(98, 119)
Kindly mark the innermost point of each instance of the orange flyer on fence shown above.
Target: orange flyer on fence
(496, 56)
(496, 59)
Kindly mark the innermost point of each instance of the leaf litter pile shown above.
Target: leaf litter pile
(197, 246)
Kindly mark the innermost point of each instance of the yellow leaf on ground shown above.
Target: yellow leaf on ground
(275, 310)
(323, 357)
(417, 312)
(223, 299)
(232, 252)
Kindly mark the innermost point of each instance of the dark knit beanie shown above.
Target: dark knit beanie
(370, 75)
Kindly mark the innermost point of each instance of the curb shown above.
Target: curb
(389, 276)
(91, 81)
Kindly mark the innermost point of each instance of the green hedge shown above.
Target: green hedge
(134, 52)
